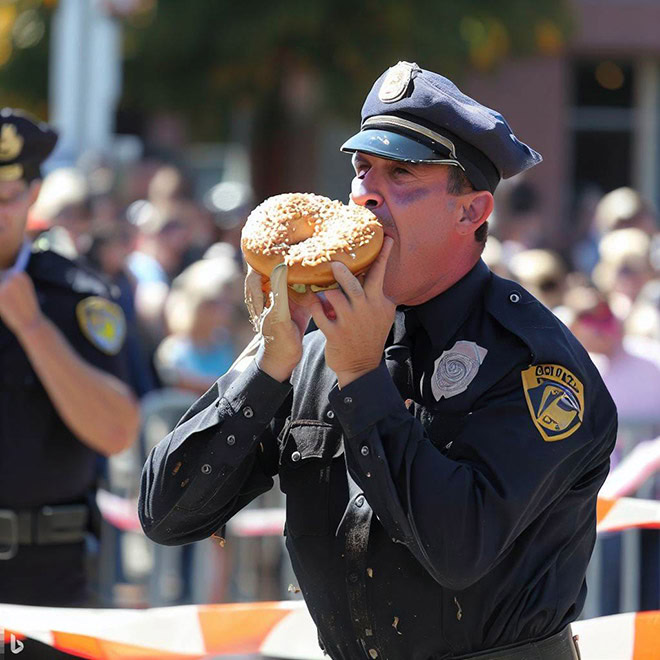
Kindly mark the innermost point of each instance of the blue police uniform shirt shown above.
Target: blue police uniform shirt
(453, 515)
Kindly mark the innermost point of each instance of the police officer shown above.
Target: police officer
(441, 493)
(62, 402)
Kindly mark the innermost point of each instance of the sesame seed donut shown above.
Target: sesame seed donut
(308, 232)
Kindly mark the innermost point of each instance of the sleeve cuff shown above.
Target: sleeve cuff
(255, 395)
(366, 401)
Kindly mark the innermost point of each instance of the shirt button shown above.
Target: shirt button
(359, 501)
(206, 468)
(514, 297)
(248, 412)
(330, 414)
(353, 577)
(231, 440)
(296, 456)
(348, 400)
(373, 653)
(364, 450)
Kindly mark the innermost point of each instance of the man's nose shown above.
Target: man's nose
(363, 196)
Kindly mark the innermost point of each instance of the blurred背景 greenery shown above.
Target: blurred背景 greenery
(203, 58)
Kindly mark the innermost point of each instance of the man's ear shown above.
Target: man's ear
(477, 207)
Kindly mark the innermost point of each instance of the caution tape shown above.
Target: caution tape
(612, 515)
(276, 630)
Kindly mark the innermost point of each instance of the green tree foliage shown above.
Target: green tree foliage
(203, 57)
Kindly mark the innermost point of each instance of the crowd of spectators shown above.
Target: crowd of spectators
(175, 259)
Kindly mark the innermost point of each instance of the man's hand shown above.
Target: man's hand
(282, 325)
(363, 317)
(19, 308)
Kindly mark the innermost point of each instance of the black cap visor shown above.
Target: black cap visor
(394, 146)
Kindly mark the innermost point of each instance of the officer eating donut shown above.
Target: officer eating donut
(440, 437)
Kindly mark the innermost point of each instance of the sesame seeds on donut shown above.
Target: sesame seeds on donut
(306, 230)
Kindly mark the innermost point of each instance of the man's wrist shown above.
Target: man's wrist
(276, 371)
(344, 378)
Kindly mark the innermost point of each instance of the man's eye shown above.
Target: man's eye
(400, 171)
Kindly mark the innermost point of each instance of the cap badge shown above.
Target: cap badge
(555, 398)
(456, 368)
(11, 142)
(396, 82)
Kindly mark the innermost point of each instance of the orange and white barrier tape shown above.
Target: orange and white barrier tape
(277, 630)
(612, 515)
(625, 513)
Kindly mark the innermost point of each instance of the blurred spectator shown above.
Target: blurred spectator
(633, 381)
(169, 185)
(63, 209)
(231, 203)
(200, 314)
(518, 224)
(542, 273)
(625, 208)
(624, 268)
(162, 242)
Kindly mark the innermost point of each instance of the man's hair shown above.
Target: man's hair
(459, 184)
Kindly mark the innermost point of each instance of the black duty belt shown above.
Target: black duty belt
(62, 523)
(560, 646)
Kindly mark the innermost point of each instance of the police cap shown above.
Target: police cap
(25, 142)
(418, 116)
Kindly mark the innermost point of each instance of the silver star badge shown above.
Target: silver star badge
(456, 368)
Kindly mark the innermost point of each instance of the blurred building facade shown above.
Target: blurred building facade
(593, 110)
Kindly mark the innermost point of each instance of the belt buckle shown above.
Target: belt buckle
(9, 551)
(61, 523)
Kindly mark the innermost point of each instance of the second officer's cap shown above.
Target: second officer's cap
(25, 142)
(419, 116)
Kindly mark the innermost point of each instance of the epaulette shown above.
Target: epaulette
(547, 338)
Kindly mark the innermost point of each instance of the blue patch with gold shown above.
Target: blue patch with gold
(555, 398)
(103, 323)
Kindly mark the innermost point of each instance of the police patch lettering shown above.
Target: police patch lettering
(456, 368)
(103, 323)
(555, 398)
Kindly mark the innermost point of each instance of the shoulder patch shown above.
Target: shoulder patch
(555, 398)
(103, 323)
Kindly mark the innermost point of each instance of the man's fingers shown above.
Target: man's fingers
(347, 281)
(323, 323)
(280, 295)
(376, 275)
(254, 297)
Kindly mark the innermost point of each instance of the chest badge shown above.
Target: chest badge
(395, 84)
(555, 398)
(103, 323)
(456, 368)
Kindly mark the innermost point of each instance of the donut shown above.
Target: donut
(308, 232)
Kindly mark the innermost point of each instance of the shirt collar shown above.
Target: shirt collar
(443, 315)
(21, 259)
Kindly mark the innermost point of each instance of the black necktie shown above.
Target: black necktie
(399, 350)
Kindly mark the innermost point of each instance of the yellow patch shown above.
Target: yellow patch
(555, 398)
(103, 323)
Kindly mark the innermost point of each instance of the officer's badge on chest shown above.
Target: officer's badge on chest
(456, 368)
(555, 398)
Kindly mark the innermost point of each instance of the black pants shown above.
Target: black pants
(45, 575)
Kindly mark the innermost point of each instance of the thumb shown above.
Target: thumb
(280, 294)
